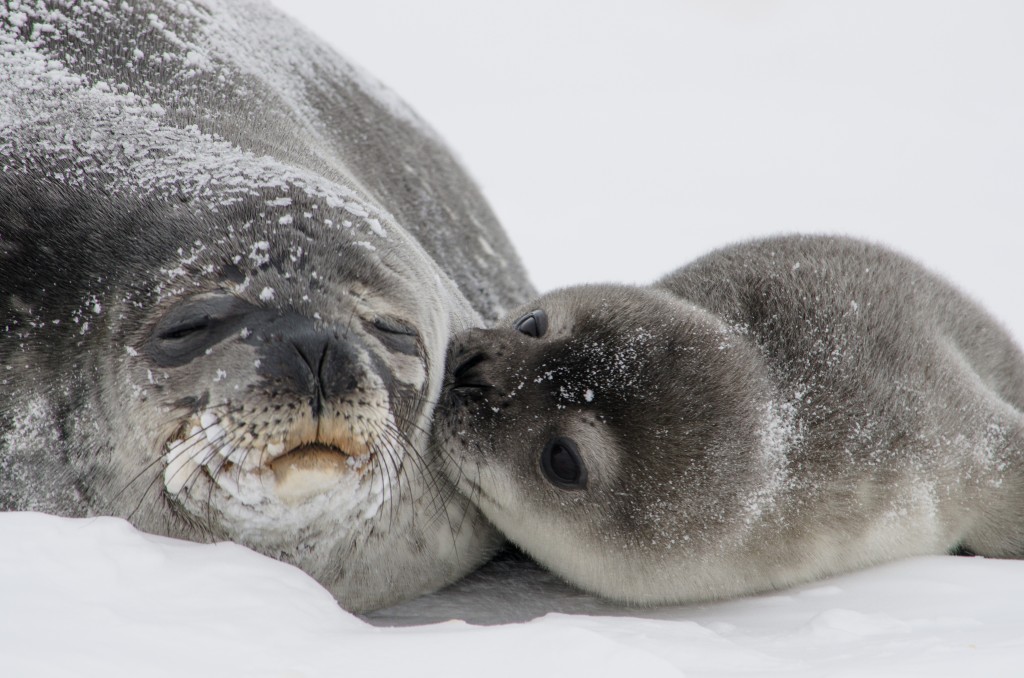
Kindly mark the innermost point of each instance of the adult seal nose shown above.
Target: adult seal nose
(315, 363)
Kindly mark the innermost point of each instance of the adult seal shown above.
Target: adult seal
(776, 412)
(230, 265)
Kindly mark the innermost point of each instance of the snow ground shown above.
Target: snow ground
(98, 598)
(683, 126)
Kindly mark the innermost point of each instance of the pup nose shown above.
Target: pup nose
(468, 375)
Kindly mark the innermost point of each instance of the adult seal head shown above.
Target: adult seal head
(773, 413)
(230, 264)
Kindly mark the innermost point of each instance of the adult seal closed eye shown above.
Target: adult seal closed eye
(230, 265)
(775, 412)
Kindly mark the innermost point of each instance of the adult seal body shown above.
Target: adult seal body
(230, 265)
(773, 413)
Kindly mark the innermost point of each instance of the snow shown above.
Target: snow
(95, 597)
(616, 142)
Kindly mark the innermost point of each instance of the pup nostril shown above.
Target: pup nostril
(467, 376)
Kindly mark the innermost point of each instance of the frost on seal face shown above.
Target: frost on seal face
(775, 412)
(230, 264)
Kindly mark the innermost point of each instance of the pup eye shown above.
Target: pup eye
(562, 464)
(534, 323)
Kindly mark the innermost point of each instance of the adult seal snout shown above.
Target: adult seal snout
(230, 264)
(776, 412)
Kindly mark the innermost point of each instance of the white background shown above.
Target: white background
(619, 140)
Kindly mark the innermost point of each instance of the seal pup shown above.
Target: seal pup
(773, 413)
(230, 265)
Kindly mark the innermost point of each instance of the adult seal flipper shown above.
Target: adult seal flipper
(230, 264)
(775, 412)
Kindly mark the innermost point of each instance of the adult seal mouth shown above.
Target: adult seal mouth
(230, 264)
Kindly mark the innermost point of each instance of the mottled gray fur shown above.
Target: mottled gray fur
(220, 242)
(775, 412)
